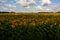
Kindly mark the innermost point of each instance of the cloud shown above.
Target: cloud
(32, 2)
(3, 9)
(21, 2)
(29, 5)
(25, 3)
(56, 8)
(38, 8)
(8, 7)
(1, 1)
(43, 8)
(45, 2)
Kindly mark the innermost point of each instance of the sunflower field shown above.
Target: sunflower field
(30, 27)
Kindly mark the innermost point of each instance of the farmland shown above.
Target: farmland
(30, 26)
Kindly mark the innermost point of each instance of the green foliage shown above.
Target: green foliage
(30, 32)
(42, 32)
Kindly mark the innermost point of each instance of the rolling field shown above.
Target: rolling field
(32, 26)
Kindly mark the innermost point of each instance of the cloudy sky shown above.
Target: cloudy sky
(30, 5)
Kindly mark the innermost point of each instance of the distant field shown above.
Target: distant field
(30, 26)
(32, 13)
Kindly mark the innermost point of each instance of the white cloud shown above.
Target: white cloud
(8, 7)
(31, 1)
(25, 3)
(45, 2)
(21, 2)
(3, 9)
(38, 8)
(43, 9)
(56, 8)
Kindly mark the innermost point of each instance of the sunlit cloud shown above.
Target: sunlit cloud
(45, 2)
(38, 8)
